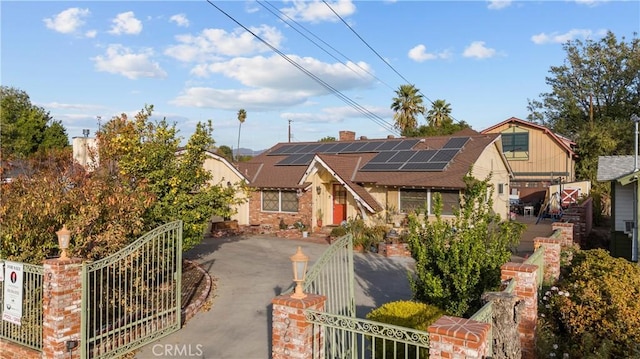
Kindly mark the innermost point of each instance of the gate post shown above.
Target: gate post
(292, 335)
(62, 283)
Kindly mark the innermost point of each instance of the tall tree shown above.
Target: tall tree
(407, 105)
(242, 116)
(597, 87)
(439, 113)
(25, 126)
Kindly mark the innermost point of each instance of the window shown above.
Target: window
(279, 201)
(515, 143)
(412, 200)
(500, 188)
(450, 201)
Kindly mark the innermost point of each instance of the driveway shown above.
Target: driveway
(249, 272)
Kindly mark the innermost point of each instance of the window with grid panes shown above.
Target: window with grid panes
(412, 200)
(279, 201)
(450, 201)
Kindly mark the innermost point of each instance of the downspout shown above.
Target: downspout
(634, 243)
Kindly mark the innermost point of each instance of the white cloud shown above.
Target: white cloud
(499, 4)
(419, 53)
(212, 43)
(590, 3)
(263, 99)
(126, 23)
(70, 106)
(180, 20)
(67, 21)
(478, 50)
(91, 34)
(557, 38)
(335, 114)
(121, 60)
(317, 11)
(276, 72)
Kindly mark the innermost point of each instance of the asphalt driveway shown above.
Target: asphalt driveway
(249, 272)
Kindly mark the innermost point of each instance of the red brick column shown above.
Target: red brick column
(293, 337)
(452, 337)
(552, 251)
(526, 288)
(11, 350)
(566, 230)
(62, 283)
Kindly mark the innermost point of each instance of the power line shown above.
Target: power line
(377, 54)
(375, 118)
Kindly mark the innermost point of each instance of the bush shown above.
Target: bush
(593, 311)
(338, 232)
(408, 314)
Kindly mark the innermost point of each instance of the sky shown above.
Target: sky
(302, 70)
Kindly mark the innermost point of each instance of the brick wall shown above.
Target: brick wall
(566, 232)
(452, 337)
(581, 216)
(10, 350)
(526, 288)
(269, 222)
(552, 250)
(292, 336)
(394, 249)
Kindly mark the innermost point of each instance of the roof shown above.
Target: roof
(564, 142)
(611, 168)
(284, 166)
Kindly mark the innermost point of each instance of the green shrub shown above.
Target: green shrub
(338, 231)
(408, 314)
(593, 311)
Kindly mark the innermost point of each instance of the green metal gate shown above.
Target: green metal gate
(133, 296)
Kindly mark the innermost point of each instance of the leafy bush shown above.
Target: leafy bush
(593, 311)
(408, 314)
(338, 232)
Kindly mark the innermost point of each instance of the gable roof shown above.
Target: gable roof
(269, 169)
(611, 168)
(562, 141)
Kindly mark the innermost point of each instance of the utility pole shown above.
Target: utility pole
(290, 130)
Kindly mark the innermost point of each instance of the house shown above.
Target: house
(538, 157)
(369, 178)
(622, 172)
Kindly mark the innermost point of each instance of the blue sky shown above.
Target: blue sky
(84, 59)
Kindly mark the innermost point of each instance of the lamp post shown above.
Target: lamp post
(299, 261)
(63, 241)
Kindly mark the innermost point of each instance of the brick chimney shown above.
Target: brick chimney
(347, 136)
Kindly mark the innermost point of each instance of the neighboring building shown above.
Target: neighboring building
(538, 157)
(85, 151)
(622, 173)
(349, 178)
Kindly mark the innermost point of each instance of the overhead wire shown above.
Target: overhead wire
(375, 118)
(377, 54)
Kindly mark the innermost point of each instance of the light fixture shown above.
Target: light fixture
(318, 190)
(299, 261)
(63, 241)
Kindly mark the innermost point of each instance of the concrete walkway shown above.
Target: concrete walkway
(249, 272)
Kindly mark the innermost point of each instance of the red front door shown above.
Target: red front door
(339, 203)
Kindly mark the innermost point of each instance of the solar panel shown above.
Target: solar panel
(406, 145)
(308, 148)
(444, 156)
(388, 145)
(457, 142)
(401, 156)
(381, 167)
(339, 147)
(305, 159)
(424, 166)
(354, 147)
(382, 157)
(290, 159)
(423, 156)
(292, 149)
(282, 150)
(324, 147)
(371, 146)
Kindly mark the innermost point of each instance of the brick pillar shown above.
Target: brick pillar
(453, 337)
(347, 136)
(552, 251)
(526, 288)
(62, 283)
(292, 336)
(566, 232)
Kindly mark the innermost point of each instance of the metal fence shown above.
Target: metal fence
(133, 296)
(367, 339)
(29, 333)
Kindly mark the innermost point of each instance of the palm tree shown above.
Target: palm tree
(242, 115)
(407, 105)
(439, 114)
